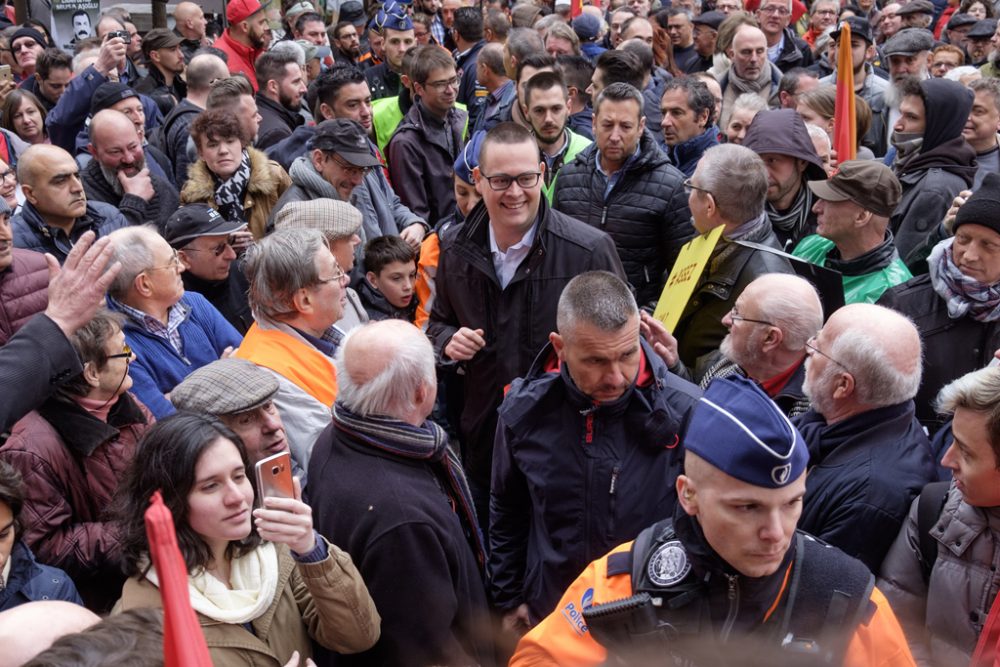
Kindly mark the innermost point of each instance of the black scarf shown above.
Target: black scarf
(229, 193)
(427, 443)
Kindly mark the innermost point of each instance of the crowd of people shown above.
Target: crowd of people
(416, 247)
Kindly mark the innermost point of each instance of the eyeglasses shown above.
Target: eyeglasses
(350, 168)
(441, 86)
(10, 173)
(215, 250)
(125, 354)
(780, 11)
(736, 317)
(525, 181)
(337, 277)
(174, 263)
(689, 186)
(811, 346)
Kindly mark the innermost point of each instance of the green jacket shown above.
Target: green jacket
(577, 143)
(386, 117)
(864, 288)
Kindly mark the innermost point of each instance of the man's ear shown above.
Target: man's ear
(326, 111)
(687, 495)
(185, 260)
(558, 344)
(703, 118)
(302, 301)
(372, 279)
(91, 375)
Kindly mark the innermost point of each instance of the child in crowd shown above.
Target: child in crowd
(387, 290)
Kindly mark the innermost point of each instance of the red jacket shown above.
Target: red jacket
(241, 58)
(71, 463)
(24, 291)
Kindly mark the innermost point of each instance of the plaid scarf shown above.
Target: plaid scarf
(964, 295)
(229, 193)
(420, 443)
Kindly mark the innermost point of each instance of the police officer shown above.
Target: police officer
(728, 564)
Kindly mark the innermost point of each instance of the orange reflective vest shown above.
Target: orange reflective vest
(293, 359)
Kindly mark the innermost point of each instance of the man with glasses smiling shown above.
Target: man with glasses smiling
(429, 138)
(499, 279)
(869, 455)
(207, 245)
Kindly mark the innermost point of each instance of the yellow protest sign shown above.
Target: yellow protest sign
(690, 264)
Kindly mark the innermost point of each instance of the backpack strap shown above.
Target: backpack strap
(929, 505)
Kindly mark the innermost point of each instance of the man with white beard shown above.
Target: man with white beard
(907, 54)
(768, 329)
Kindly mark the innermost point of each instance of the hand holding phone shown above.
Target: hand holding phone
(282, 516)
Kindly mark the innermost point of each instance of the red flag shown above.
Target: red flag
(575, 8)
(845, 131)
(183, 642)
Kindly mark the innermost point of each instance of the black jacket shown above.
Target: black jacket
(136, 210)
(382, 81)
(863, 473)
(952, 348)
(795, 52)
(229, 296)
(470, 92)
(732, 267)
(155, 85)
(276, 122)
(516, 321)
(646, 213)
(176, 129)
(572, 480)
(394, 517)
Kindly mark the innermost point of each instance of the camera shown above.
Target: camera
(125, 36)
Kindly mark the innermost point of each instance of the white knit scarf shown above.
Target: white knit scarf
(254, 580)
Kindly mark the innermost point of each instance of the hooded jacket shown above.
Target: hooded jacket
(685, 155)
(646, 212)
(30, 581)
(782, 131)
(573, 478)
(863, 473)
(944, 166)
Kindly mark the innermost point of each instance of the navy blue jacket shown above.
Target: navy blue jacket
(31, 232)
(470, 92)
(685, 156)
(863, 473)
(30, 581)
(571, 479)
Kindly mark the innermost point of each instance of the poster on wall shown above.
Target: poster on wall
(73, 21)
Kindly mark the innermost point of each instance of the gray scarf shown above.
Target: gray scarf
(793, 220)
(737, 85)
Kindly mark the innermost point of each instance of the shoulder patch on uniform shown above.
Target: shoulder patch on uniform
(668, 564)
(619, 563)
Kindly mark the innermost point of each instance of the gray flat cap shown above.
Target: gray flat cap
(916, 7)
(983, 29)
(225, 387)
(909, 42)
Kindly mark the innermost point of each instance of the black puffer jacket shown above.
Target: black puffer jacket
(516, 320)
(952, 348)
(646, 213)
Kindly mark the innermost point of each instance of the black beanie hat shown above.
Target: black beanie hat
(110, 93)
(983, 207)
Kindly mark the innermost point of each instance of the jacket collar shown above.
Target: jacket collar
(200, 186)
(830, 444)
(291, 118)
(81, 431)
(693, 148)
(874, 260)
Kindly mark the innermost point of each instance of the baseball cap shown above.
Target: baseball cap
(160, 38)
(313, 51)
(347, 139)
(299, 8)
(869, 184)
(859, 26)
(740, 431)
(109, 93)
(587, 27)
(353, 11)
(195, 220)
(241, 10)
(562, 3)
(908, 42)
(224, 387)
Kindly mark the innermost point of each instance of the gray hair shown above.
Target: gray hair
(978, 391)
(749, 102)
(798, 319)
(288, 51)
(409, 364)
(737, 179)
(278, 266)
(522, 42)
(132, 248)
(598, 298)
(877, 383)
(816, 132)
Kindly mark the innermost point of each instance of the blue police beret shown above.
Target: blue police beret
(468, 159)
(740, 431)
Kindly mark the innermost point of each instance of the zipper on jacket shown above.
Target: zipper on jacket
(734, 605)
(604, 217)
(613, 501)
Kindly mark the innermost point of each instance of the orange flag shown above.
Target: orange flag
(575, 8)
(845, 131)
(183, 642)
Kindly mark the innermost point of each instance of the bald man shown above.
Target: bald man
(56, 212)
(868, 454)
(190, 25)
(387, 488)
(768, 328)
(751, 71)
(29, 629)
(118, 174)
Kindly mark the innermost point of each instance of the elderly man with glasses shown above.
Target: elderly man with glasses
(297, 293)
(172, 332)
(868, 454)
(207, 245)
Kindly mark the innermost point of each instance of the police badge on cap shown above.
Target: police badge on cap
(740, 431)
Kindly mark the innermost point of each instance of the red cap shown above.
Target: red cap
(241, 10)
